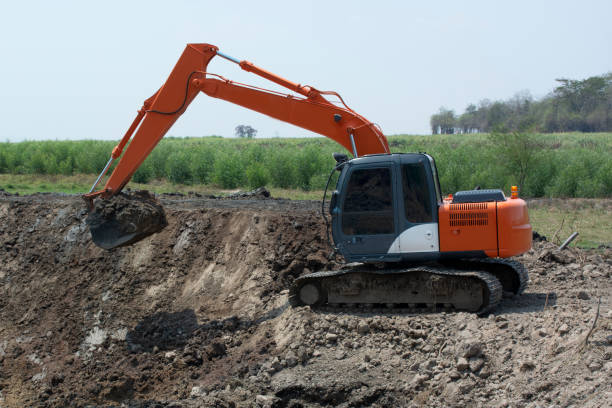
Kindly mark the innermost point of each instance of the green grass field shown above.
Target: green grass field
(559, 165)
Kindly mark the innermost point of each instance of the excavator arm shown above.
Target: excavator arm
(309, 110)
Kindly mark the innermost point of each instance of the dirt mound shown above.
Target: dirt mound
(197, 315)
(260, 193)
(125, 218)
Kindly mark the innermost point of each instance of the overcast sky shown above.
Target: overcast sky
(80, 70)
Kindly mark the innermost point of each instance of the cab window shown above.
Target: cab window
(417, 199)
(368, 207)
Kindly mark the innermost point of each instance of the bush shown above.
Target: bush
(282, 170)
(144, 174)
(256, 175)
(228, 171)
(177, 168)
(202, 164)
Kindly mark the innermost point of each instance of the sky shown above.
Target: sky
(81, 70)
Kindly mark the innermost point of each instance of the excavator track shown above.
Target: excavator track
(512, 274)
(411, 289)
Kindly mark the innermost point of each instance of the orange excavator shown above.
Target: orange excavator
(406, 245)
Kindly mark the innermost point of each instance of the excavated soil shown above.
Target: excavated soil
(197, 316)
(124, 219)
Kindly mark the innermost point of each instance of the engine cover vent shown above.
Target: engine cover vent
(468, 215)
(478, 196)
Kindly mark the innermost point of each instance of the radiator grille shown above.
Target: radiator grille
(468, 219)
(469, 206)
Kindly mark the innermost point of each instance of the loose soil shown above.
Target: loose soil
(196, 316)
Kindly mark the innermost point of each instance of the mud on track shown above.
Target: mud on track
(197, 316)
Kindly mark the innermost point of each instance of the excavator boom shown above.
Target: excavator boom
(309, 110)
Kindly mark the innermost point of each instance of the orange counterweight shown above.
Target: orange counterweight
(498, 228)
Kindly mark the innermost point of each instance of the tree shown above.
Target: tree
(245, 131)
(518, 152)
(443, 122)
(574, 105)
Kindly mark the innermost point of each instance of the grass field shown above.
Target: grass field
(557, 219)
(552, 165)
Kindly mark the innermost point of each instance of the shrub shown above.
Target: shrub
(228, 171)
(144, 174)
(256, 175)
(177, 168)
(202, 164)
(282, 170)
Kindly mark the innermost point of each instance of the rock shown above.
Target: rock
(331, 337)
(539, 333)
(340, 354)
(197, 392)
(608, 367)
(503, 404)
(583, 295)
(216, 349)
(291, 359)
(527, 365)
(266, 401)
(563, 329)
(302, 355)
(466, 386)
(462, 364)
(594, 366)
(276, 365)
(485, 372)
(363, 328)
(476, 365)
(588, 268)
(431, 363)
(170, 355)
(471, 349)
(549, 255)
(418, 380)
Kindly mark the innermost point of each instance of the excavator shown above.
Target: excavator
(405, 245)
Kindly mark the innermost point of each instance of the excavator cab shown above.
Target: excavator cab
(389, 208)
(385, 208)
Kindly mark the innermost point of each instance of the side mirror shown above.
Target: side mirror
(340, 158)
(332, 202)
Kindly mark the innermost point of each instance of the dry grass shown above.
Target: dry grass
(592, 218)
(81, 183)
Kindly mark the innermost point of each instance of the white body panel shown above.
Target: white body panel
(420, 238)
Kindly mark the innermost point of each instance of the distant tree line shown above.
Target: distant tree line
(574, 105)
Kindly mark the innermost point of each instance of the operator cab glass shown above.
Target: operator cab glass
(417, 197)
(368, 207)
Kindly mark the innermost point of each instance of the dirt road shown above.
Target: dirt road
(197, 315)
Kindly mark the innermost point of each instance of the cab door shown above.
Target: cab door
(364, 219)
(418, 219)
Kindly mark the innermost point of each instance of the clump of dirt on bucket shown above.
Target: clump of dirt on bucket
(125, 218)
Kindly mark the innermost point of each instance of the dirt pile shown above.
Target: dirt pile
(197, 315)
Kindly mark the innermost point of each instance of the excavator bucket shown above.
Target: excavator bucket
(124, 219)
